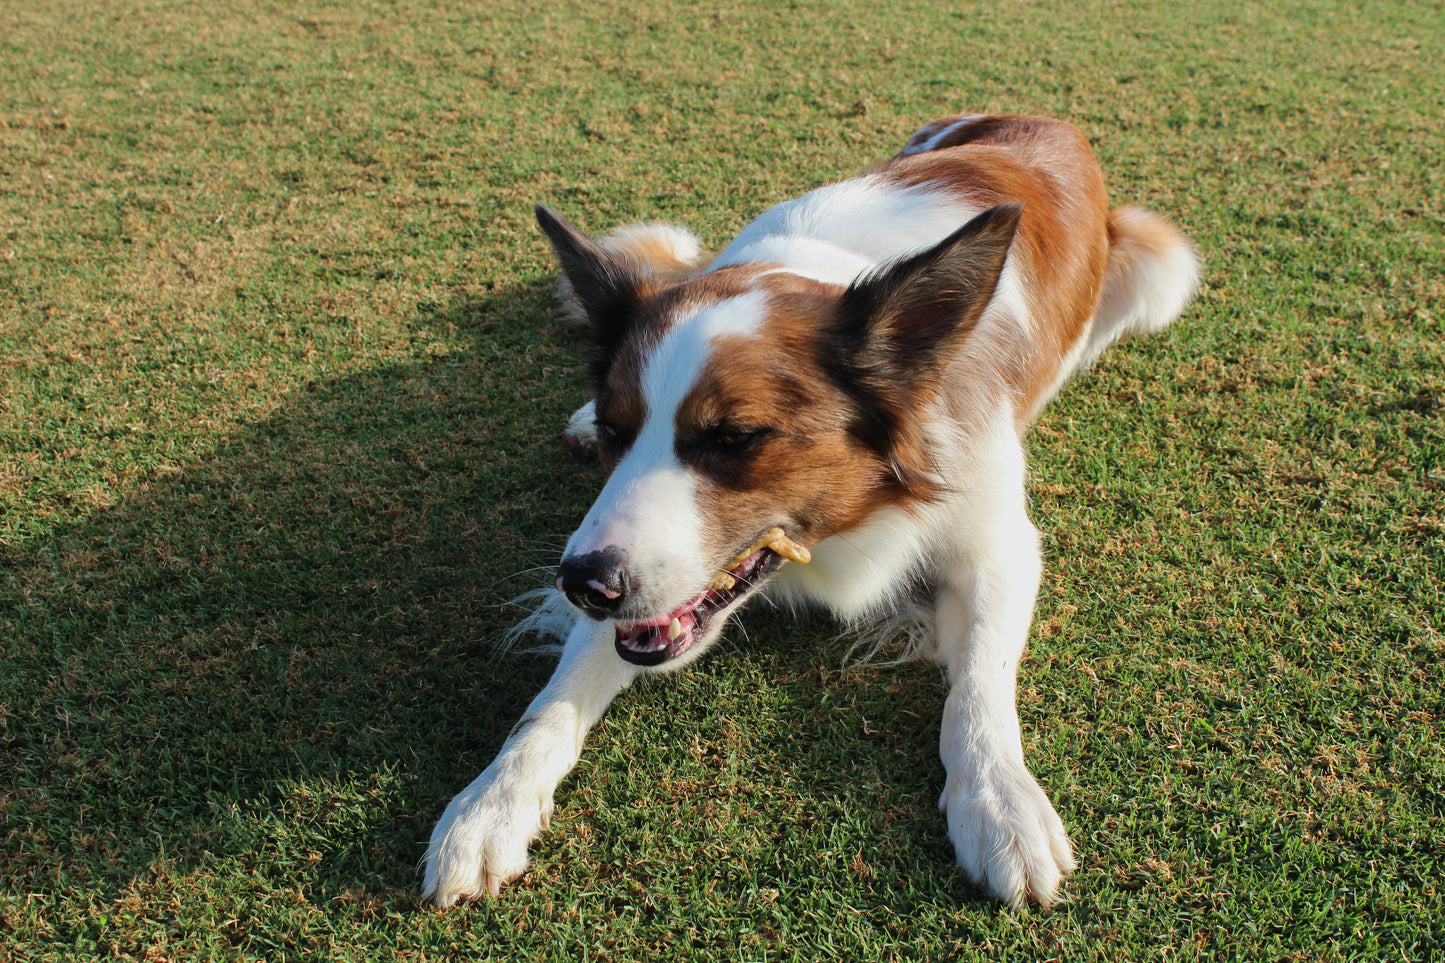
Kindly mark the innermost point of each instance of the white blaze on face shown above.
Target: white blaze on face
(649, 507)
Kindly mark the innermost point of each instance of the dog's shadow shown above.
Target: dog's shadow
(297, 628)
(289, 647)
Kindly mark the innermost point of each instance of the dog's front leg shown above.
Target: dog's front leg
(1005, 832)
(481, 840)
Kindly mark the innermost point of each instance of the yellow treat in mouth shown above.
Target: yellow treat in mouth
(775, 539)
(790, 549)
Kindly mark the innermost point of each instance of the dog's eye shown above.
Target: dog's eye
(732, 438)
(613, 435)
(724, 452)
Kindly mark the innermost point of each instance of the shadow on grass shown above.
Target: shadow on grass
(281, 660)
(319, 596)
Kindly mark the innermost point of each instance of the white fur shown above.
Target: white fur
(981, 554)
(975, 548)
(858, 576)
(680, 243)
(1145, 290)
(1005, 832)
(581, 429)
(818, 236)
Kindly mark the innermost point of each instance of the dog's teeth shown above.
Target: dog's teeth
(722, 582)
(674, 629)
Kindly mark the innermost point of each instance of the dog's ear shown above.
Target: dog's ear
(895, 329)
(901, 319)
(604, 284)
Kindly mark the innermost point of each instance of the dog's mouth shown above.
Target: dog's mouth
(658, 640)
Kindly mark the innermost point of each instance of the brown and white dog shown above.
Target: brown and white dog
(857, 369)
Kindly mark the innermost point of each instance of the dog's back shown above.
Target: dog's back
(1092, 275)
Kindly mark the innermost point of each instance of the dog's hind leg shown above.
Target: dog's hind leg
(1005, 832)
(481, 840)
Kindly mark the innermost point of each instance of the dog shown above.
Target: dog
(831, 411)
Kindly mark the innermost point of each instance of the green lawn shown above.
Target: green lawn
(280, 390)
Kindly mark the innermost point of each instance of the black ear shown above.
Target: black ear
(604, 284)
(899, 320)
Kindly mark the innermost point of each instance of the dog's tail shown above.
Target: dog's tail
(1152, 273)
(662, 251)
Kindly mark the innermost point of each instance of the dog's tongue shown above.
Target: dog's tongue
(682, 613)
(646, 636)
(652, 634)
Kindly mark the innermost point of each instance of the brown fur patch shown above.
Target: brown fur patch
(1062, 242)
(809, 473)
(620, 401)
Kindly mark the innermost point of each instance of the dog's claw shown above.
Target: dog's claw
(494, 885)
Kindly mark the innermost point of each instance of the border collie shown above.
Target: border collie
(831, 411)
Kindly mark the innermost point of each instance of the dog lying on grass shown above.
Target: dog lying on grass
(830, 411)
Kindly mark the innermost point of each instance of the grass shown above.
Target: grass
(280, 385)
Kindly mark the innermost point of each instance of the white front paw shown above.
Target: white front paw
(481, 840)
(1006, 835)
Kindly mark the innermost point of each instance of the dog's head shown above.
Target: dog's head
(749, 398)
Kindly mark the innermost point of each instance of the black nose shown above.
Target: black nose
(596, 583)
